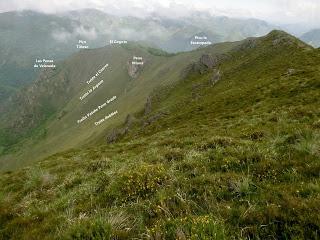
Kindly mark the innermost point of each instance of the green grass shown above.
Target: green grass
(36, 108)
(239, 161)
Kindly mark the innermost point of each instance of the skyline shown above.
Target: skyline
(279, 12)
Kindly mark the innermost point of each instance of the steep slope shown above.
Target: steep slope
(26, 36)
(231, 151)
(312, 37)
(43, 118)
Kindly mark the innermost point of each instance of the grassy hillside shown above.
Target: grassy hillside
(228, 155)
(42, 119)
(27, 35)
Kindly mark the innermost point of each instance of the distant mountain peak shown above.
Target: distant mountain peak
(312, 37)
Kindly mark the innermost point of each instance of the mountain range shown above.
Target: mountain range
(52, 105)
(154, 127)
(312, 37)
(27, 36)
(131, 142)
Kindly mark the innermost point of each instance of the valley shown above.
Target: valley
(210, 147)
(159, 120)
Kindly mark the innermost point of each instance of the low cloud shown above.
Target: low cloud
(86, 33)
(275, 11)
(63, 35)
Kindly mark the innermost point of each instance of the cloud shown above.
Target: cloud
(275, 11)
(63, 35)
(86, 33)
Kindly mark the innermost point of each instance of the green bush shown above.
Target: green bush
(139, 182)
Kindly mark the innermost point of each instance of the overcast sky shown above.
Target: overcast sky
(274, 11)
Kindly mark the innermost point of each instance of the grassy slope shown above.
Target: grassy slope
(28, 35)
(62, 92)
(239, 161)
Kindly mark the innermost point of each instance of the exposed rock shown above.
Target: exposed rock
(247, 44)
(116, 133)
(134, 70)
(205, 63)
(187, 70)
(147, 107)
(290, 71)
(200, 68)
(196, 67)
(281, 38)
(280, 41)
(215, 77)
(113, 135)
(130, 119)
(208, 61)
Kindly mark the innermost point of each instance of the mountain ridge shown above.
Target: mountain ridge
(312, 37)
(63, 31)
(60, 82)
(230, 150)
(68, 84)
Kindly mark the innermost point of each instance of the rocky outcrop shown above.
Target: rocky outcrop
(215, 77)
(206, 63)
(113, 135)
(247, 44)
(195, 67)
(209, 61)
(147, 106)
(198, 88)
(281, 38)
(116, 133)
(130, 120)
(134, 70)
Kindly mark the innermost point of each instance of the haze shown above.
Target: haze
(281, 12)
